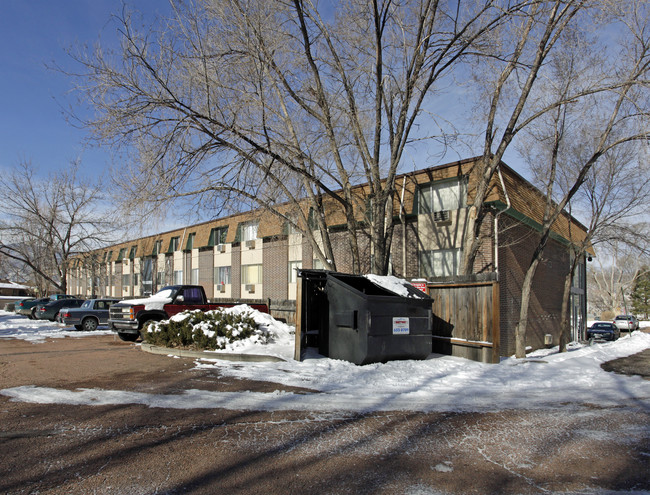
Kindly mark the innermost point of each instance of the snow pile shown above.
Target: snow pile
(393, 284)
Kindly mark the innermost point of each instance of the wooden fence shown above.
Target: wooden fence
(466, 318)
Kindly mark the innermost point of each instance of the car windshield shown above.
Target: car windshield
(602, 325)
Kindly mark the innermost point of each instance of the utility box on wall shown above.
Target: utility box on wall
(350, 317)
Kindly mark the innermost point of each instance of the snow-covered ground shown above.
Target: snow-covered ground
(545, 379)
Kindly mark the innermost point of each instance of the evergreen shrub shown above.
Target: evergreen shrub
(211, 330)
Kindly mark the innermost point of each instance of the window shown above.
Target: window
(293, 271)
(190, 242)
(192, 295)
(173, 244)
(136, 279)
(160, 278)
(440, 263)
(218, 236)
(195, 276)
(251, 274)
(222, 275)
(121, 254)
(157, 248)
(178, 277)
(126, 280)
(134, 249)
(444, 195)
(318, 264)
(249, 231)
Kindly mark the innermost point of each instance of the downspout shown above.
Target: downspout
(402, 218)
(496, 223)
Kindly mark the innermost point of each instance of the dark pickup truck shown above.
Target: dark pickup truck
(129, 317)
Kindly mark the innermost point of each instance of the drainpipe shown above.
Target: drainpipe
(496, 223)
(402, 217)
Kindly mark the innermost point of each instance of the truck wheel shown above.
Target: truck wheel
(89, 324)
(128, 337)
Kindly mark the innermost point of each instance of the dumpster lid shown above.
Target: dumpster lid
(394, 285)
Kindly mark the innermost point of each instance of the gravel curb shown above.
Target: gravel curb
(226, 356)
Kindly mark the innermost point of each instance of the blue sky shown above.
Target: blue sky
(33, 34)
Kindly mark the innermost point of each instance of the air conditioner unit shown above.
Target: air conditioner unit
(250, 244)
(221, 248)
(222, 288)
(250, 288)
(441, 216)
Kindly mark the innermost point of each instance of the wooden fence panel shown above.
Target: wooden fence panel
(466, 319)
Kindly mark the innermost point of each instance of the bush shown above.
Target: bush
(607, 316)
(211, 330)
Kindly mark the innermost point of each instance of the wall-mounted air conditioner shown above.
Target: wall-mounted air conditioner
(221, 248)
(222, 288)
(441, 216)
(250, 244)
(250, 288)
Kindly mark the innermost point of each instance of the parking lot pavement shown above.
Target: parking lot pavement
(135, 449)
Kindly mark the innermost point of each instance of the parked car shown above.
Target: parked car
(50, 310)
(91, 314)
(627, 323)
(28, 308)
(19, 304)
(602, 330)
(56, 297)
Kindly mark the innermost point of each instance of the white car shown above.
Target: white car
(626, 323)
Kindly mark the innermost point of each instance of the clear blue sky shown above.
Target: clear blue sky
(36, 33)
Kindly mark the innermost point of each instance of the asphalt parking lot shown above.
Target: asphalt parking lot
(135, 449)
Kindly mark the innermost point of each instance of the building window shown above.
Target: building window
(178, 277)
(190, 242)
(121, 254)
(444, 195)
(318, 264)
(136, 280)
(195, 276)
(218, 236)
(294, 266)
(251, 274)
(134, 250)
(157, 248)
(160, 278)
(126, 280)
(249, 231)
(174, 243)
(440, 263)
(222, 275)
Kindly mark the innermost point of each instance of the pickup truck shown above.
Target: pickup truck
(129, 317)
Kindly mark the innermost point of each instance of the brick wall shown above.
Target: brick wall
(206, 271)
(235, 270)
(276, 267)
(517, 243)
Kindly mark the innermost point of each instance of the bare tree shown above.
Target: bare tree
(268, 103)
(44, 222)
(613, 275)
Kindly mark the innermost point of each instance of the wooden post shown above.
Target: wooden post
(496, 323)
(297, 355)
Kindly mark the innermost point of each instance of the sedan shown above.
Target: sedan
(603, 331)
(627, 323)
(89, 316)
(50, 311)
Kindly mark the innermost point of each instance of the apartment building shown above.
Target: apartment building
(253, 255)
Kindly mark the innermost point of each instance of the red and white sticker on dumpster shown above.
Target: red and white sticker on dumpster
(400, 326)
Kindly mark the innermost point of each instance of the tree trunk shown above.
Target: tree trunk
(520, 330)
